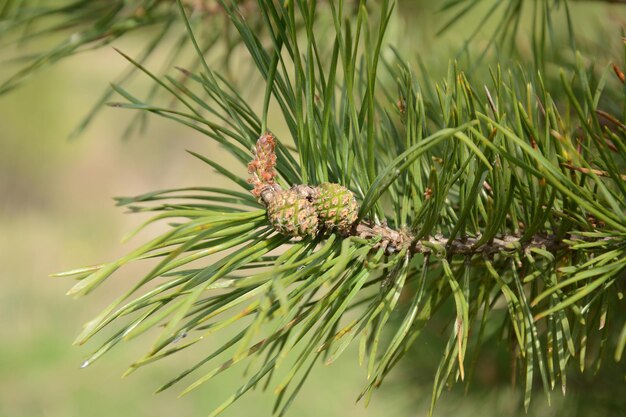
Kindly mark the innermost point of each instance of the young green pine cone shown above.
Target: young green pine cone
(336, 206)
(292, 214)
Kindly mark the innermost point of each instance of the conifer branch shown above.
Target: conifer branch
(459, 192)
(392, 240)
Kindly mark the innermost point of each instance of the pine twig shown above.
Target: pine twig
(597, 172)
(391, 240)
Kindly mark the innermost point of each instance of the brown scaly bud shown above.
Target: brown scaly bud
(261, 168)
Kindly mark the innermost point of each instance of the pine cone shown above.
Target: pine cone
(292, 214)
(336, 206)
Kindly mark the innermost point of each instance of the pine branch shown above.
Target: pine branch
(457, 193)
(391, 241)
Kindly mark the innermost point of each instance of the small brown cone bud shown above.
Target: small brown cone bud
(292, 214)
(261, 168)
(336, 207)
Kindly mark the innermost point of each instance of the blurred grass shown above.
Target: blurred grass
(56, 213)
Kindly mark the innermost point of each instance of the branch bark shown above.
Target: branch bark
(394, 241)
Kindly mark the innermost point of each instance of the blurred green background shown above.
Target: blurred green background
(56, 213)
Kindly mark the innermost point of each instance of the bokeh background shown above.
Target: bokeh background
(57, 213)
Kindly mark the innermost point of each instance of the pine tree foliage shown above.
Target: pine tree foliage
(84, 25)
(509, 14)
(495, 203)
